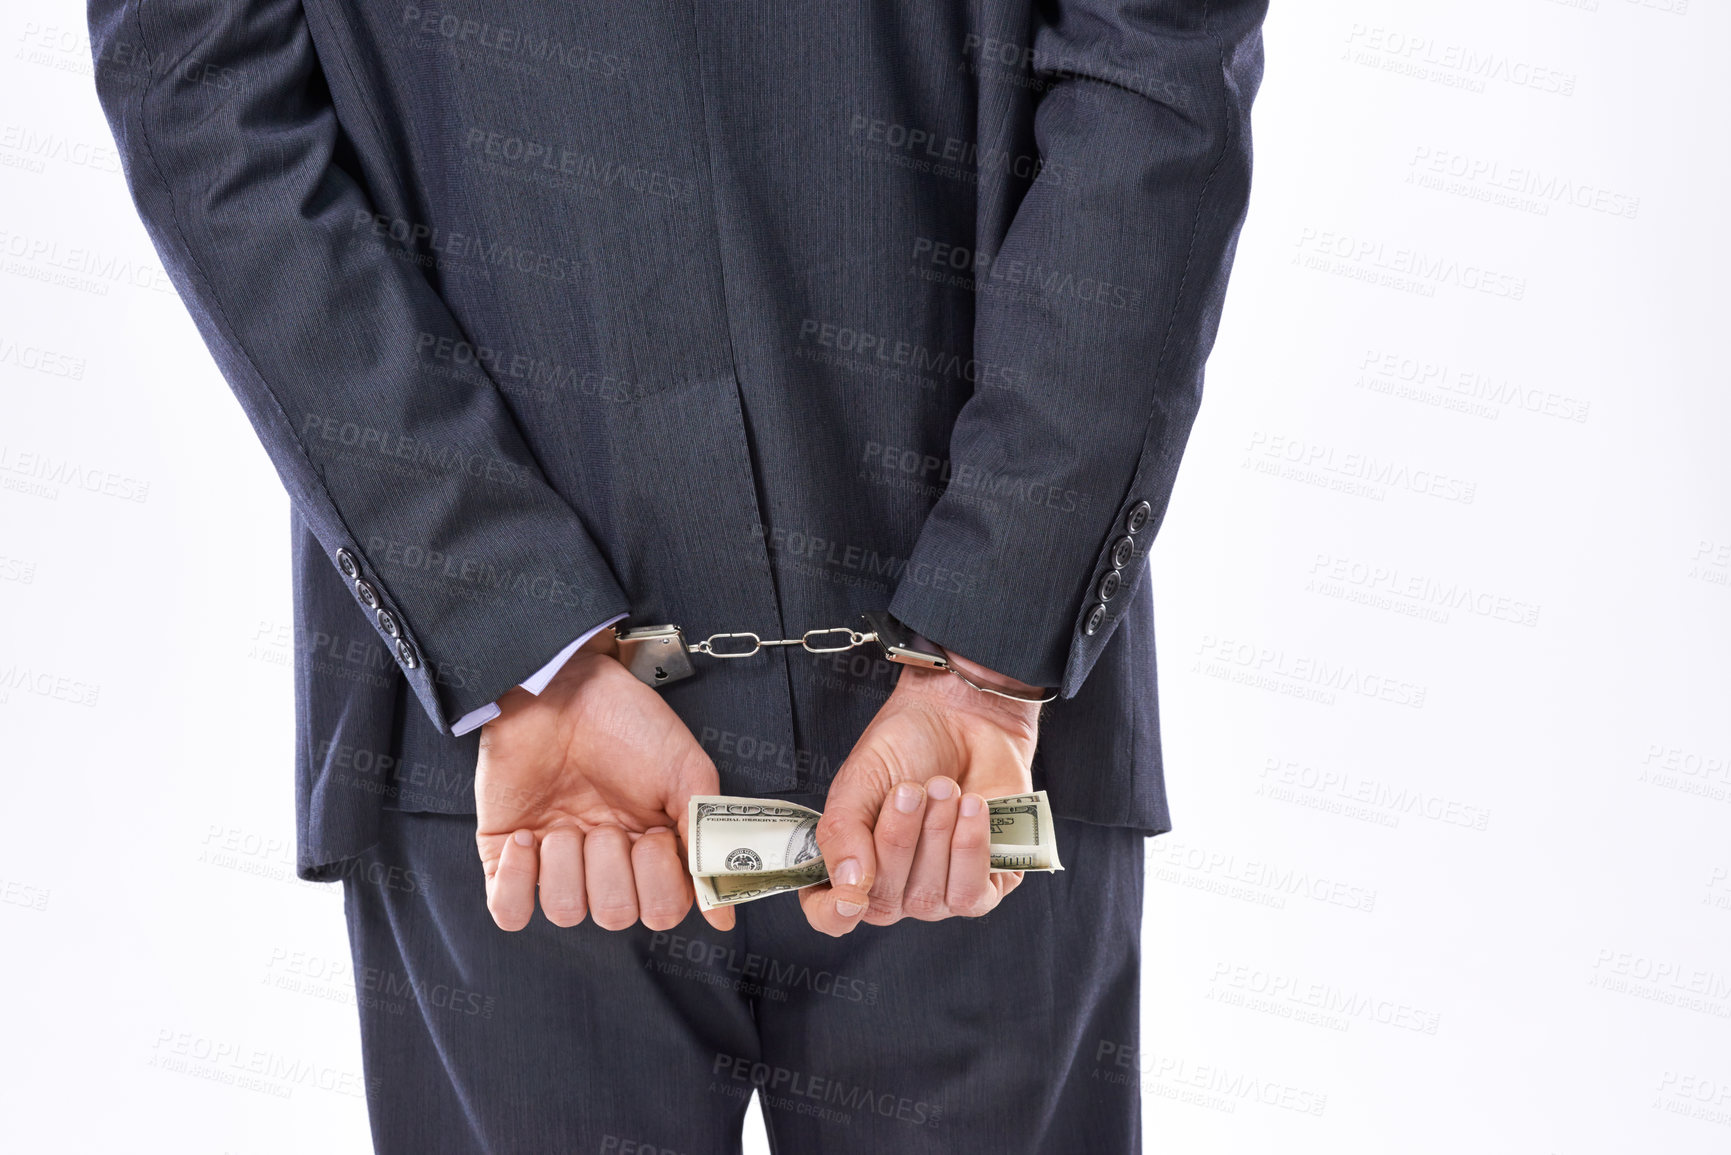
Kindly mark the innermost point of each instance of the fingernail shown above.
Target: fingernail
(941, 788)
(971, 804)
(907, 798)
(848, 874)
(847, 909)
(523, 838)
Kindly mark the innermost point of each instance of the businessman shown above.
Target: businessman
(558, 320)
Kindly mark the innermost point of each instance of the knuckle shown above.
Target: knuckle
(923, 904)
(831, 827)
(563, 836)
(971, 836)
(647, 849)
(938, 826)
(881, 907)
(898, 835)
(962, 895)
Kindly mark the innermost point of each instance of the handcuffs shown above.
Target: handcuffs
(659, 655)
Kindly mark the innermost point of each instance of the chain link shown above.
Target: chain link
(804, 641)
(854, 638)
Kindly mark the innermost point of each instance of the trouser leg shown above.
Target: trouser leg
(545, 1040)
(995, 1035)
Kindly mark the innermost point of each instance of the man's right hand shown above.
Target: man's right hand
(579, 791)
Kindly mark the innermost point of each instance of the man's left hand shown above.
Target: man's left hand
(905, 831)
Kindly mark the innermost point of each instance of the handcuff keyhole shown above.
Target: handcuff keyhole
(660, 674)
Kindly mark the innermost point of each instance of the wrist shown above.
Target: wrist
(952, 694)
(990, 678)
(605, 642)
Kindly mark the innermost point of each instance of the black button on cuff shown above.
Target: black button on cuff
(346, 562)
(406, 654)
(388, 623)
(1122, 551)
(369, 598)
(1109, 585)
(1137, 518)
(1096, 619)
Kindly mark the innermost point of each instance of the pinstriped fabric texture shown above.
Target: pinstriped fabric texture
(743, 316)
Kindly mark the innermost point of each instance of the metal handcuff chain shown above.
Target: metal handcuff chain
(809, 642)
(804, 642)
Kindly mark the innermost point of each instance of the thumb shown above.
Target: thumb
(697, 776)
(679, 809)
(692, 774)
(844, 836)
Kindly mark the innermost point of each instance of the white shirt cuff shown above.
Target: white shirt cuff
(535, 683)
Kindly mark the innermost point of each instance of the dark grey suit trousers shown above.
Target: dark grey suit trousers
(999, 1034)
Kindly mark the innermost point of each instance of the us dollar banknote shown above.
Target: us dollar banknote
(741, 849)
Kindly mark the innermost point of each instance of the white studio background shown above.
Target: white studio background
(1444, 600)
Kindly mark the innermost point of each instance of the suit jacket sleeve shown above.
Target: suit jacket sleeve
(1115, 262)
(402, 457)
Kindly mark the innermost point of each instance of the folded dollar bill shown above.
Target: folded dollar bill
(748, 848)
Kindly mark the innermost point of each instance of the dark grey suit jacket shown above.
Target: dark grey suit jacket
(742, 316)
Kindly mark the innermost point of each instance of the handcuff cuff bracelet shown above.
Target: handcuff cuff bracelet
(659, 655)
